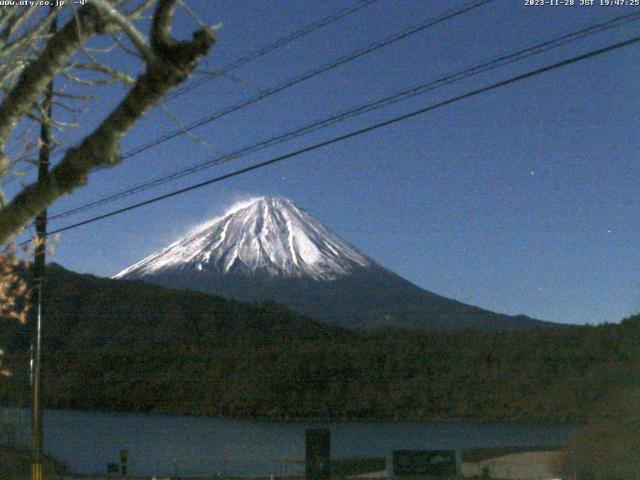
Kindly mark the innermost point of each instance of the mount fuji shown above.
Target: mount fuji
(268, 235)
(270, 249)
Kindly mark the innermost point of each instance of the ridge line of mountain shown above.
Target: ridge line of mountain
(271, 249)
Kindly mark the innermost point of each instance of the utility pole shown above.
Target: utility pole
(39, 270)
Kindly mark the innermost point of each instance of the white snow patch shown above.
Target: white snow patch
(267, 234)
(238, 205)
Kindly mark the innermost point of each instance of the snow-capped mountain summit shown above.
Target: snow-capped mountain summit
(267, 235)
(270, 249)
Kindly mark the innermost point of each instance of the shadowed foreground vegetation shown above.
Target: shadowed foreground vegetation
(15, 464)
(539, 376)
(609, 447)
(129, 346)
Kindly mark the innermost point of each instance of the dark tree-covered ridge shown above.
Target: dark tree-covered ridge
(130, 346)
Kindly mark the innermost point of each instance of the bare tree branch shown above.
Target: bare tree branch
(39, 73)
(173, 61)
(15, 21)
(104, 69)
(128, 28)
(7, 48)
(140, 9)
(195, 138)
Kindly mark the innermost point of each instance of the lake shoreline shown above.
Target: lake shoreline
(334, 419)
(15, 463)
(161, 443)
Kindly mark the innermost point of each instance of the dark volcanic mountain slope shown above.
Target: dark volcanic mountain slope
(367, 298)
(270, 249)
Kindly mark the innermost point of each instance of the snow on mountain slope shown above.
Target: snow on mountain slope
(266, 235)
(268, 249)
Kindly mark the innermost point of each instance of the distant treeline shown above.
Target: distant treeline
(536, 376)
(206, 355)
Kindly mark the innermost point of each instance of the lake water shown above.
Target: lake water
(192, 446)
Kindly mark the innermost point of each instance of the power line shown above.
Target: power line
(405, 94)
(355, 133)
(272, 46)
(428, 23)
(298, 79)
(260, 52)
(308, 75)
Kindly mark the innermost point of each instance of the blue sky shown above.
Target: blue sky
(521, 200)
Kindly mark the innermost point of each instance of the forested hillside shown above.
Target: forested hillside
(132, 347)
(537, 377)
